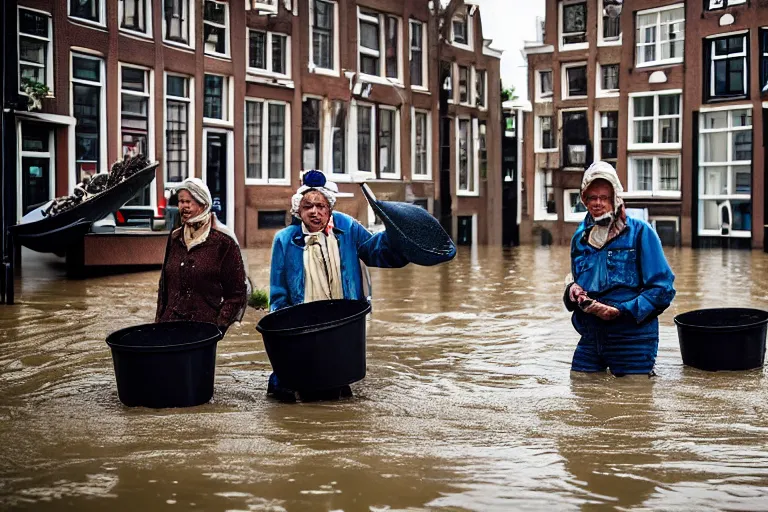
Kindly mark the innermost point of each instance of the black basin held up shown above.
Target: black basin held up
(170, 364)
(723, 338)
(317, 345)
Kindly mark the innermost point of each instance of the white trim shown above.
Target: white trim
(334, 71)
(230, 170)
(102, 157)
(147, 20)
(656, 190)
(100, 23)
(538, 138)
(598, 137)
(380, 20)
(457, 95)
(49, 56)
(716, 108)
(539, 209)
(227, 102)
(473, 165)
(424, 87)
(565, 93)
(569, 216)
(355, 172)
(600, 40)
(468, 20)
(427, 143)
(226, 27)
(190, 126)
(50, 155)
(606, 93)
(712, 41)
(396, 175)
(263, 7)
(264, 143)
(476, 73)
(269, 70)
(563, 47)
(190, 35)
(655, 145)
(539, 98)
(657, 42)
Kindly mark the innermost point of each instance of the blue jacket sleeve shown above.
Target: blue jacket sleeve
(375, 250)
(278, 286)
(656, 278)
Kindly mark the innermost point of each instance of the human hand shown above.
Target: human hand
(574, 292)
(602, 311)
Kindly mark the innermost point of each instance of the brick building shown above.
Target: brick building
(672, 94)
(246, 93)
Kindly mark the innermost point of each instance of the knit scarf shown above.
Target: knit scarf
(196, 230)
(322, 265)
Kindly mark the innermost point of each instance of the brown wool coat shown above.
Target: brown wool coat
(206, 284)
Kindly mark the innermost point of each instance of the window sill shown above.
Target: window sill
(651, 195)
(179, 46)
(217, 122)
(573, 47)
(653, 147)
(133, 34)
(323, 71)
(461, 46)
(601, 43)
(571, 168)
(420, 89)
(607, 94)
(218, 56)
(253, 181)
(467, 193)
(389, 177)
(373, 79)
(421, 177)
(575, 98)
(545, 99)
(723, 99)
(545, 217)
(732, 234)
(270, 80)
(88, 23)
(542, 150)
(659, 64)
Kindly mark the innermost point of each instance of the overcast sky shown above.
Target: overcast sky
(509, 26)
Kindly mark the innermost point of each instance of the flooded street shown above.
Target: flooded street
(469, 403)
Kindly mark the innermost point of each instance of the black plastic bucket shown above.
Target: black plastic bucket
(723, 338)
(317, 345)
(170, 364)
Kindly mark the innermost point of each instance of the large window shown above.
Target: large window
(660, 35)
(323, 48)
(725, 171)
(463, 85)
(267, 152)
(216, 98)
(378, 141)
(134, 120)
(608, 79)
(378, 47)
(544, 205)
(575, 139)
(177, 132)
(480, 91)
(418, 54)
(727, 70)
(460, 29)
(35, 50)
(574, 80)
(609, 137)
(310, 133)
(421, 144)
(466, 157)
(654, 176)
(610, 18)
(573, 24)
(268, 53)
(544, 85)
(655, 120)
(545, 134)
(136, 16)
(574, 209)
(87, 105)
(215, 28)
(176, 19)
(89, 10)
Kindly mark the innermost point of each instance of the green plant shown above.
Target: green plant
(36, 92)
(259, 299)
(508, 94)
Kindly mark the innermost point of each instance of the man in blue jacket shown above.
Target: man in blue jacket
(620, 282)
(318, 256)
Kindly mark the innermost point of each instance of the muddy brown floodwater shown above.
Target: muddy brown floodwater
(469, 403)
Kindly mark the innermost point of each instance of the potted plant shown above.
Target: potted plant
(36, 92)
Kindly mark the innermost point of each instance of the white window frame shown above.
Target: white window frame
(657, 42)
(424, 57)
(87, 54)
(428, 145)
(474, 73)
(540, 209)
(227, 101)
(560, 130)
(352, 146)
(328, 130)
(263, 6)
(474, 146)
(381, 21)
(606, 93)
(395, 139)
(711, 40)
(656, 190)
(147, 19)
(729, 163)
(101, 23)
(569, 216)
(457, 90)
(560, 34)
(49, 61)
(50, 155)
(190, 44)
(598, 138)
(266, 180)
(270, 64)
(148, 94)
(652, 221)
(230, 199)
(540, 96)
(468, 18)
(311, 65)
(190, 126)
(722, 4)
(655, 145)
(565, 93)
(225, 26)
(600, 40)
(538, 138)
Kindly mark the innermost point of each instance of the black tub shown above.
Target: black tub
(169, 364)
(317, 345)
(723, 339)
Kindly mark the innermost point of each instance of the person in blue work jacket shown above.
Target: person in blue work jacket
(318, 256)
(620, 282)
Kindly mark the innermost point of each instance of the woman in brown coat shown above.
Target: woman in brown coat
(203, 277)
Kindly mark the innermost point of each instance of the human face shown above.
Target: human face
(599, 198)
(314, 210)
(188, 207)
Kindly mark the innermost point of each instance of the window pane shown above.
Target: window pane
(215, 12)
(310, 122)
(574, 21)
(276, 141)
(715, 180)
(279, 52)
(387, 149)
(369, 65)
(85, 9)
(714, 120)
(643, 174)
(86, 69)
(669, 174)
(253, 113)
(86, 110)
(421, 144)
(364, 138)
(212, 101)
(33, 23)
(133, 79)
(669, 104)
(480, 88)
(546, 82)
(32, 50)
(176, 138)
(392, 48)
(577, 81)
(176, 86)
(322, 35)
(669, 131)
(339, 144)
(742, 145)
(416, 54)
(133, 15)
(463, 84)
(715, 147)
(741, 117)
(742, 215)
(742, 179)
(257, 50)
(369, 35)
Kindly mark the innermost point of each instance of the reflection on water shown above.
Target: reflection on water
(469, 403)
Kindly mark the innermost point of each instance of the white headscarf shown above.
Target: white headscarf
(611, 223)
(205, 219)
